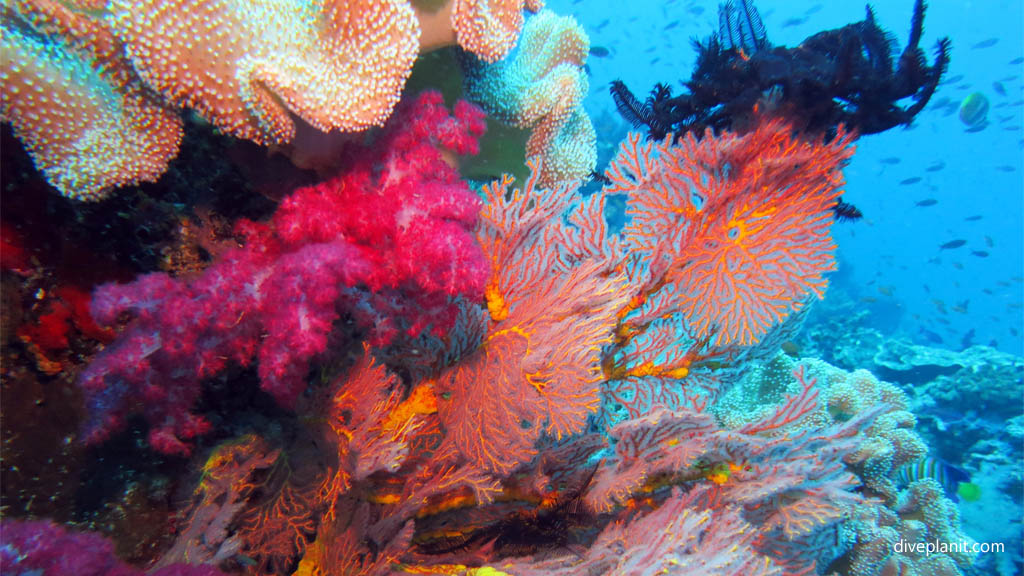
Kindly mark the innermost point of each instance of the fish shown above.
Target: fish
(958, 266)
(974, 218)
(846, 212)
(953, 79)
(929, 336)
(793, 22)
(599, 51)
(891, 160)
(926, 202)
(999, 88)
(985, 43)
(599, 177)
(671, 25)
(1017, 60)
(979, 253)
(885, 290)
(696, 10)
(936, 167)
(967, 340)
(989, 242)
(956, 482)
(813, 9)
(909, 181)
(1006, 168)
(974, 111)
(953, 244)
(791, 349)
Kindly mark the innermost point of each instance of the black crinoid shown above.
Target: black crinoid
(851, 76)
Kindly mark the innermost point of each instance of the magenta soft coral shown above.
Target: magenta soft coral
(44, 548)
(389, 240)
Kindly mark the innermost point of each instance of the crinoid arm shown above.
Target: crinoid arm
(632, 109)
(740, 27)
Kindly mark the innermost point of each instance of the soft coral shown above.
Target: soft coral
(389, 240)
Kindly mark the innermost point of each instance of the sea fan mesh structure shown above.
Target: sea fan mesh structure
(732, 231)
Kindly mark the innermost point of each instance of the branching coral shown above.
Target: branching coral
(552, 298)
(747, 222)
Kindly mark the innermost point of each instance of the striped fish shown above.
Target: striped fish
(949, 476)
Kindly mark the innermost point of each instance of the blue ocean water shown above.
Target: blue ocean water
(891, 261)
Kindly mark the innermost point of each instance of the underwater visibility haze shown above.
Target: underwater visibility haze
(511, 288)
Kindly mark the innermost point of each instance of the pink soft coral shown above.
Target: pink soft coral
(389, 241)
(43, 548)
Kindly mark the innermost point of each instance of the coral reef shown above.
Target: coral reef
(502, 384)
(390, 247)
(918, 512)
(749, 214)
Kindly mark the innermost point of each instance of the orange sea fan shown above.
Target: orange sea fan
(732, 231)
(553, 295)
